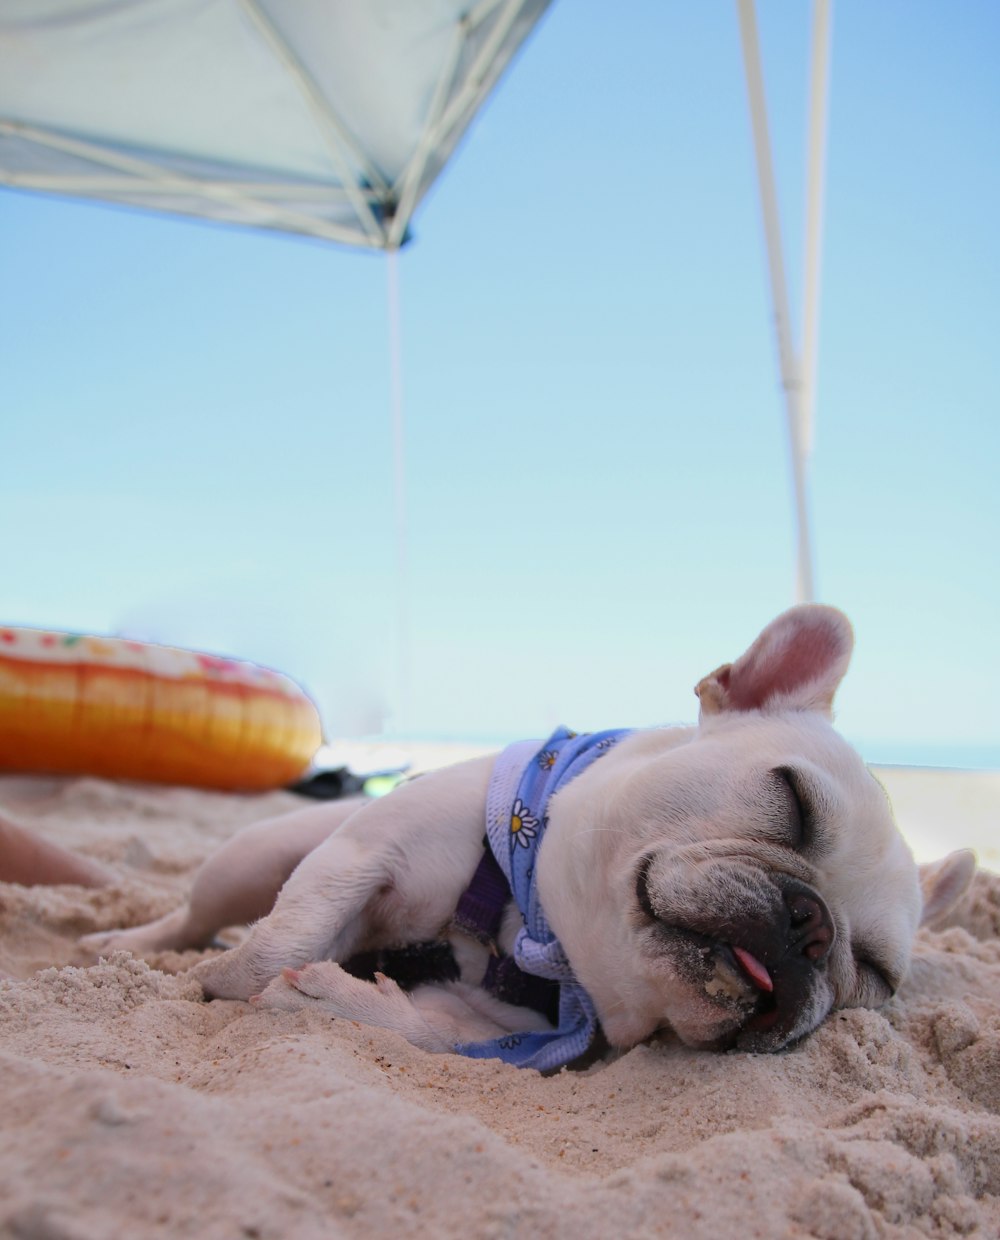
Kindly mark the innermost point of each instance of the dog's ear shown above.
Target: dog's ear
(943, 883)
(795, 664)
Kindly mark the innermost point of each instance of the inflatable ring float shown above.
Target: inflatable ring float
(77, 705)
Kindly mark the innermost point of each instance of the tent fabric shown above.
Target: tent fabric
(329, 118)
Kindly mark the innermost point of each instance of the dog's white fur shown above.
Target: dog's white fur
(733, 881)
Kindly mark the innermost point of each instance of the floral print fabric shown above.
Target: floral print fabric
(525, 778)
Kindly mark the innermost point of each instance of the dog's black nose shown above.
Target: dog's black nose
(812, 931)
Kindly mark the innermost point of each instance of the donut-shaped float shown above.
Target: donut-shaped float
(78, 705)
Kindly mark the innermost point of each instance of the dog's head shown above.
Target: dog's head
(739, 880)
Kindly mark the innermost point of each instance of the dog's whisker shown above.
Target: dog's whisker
(595, 831)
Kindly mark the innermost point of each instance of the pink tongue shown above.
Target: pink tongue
(757, 973)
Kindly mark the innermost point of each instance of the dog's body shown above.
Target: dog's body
(733, 881)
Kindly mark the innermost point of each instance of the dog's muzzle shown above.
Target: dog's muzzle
(762, 959)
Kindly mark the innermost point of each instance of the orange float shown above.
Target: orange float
(77, 705)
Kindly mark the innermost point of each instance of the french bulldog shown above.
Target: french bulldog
(732, 881)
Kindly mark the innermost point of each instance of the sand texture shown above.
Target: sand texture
(130, 1108)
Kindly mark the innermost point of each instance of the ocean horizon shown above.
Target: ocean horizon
(968, 757)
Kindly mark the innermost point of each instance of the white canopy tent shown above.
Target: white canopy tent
(329, 118)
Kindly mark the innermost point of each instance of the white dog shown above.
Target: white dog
(733, 881)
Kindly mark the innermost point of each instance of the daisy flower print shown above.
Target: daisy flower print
(523, 824)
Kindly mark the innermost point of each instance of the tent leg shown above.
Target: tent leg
(815, 177)
(401, 713)
(797, 375)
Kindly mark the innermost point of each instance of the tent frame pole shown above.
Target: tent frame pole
(797, 373)
(819, 77)
(129, 174)
(446, 113)
(342, 147)
(401, 713)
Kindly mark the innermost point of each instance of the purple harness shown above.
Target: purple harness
(537, 974)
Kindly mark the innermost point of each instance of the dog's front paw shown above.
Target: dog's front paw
(341, 992)
(281, 995)
(435, 1026)
(232, 975)
(323, 984)
(329, 988)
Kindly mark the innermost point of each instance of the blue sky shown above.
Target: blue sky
(194, 428)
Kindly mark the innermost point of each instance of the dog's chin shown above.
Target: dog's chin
(717, 1002)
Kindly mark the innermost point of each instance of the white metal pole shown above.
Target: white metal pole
(401, 714)
(815, 181)
(788, 361)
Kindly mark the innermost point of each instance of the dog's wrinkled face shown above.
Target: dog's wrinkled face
(737, 881)
(781, 889)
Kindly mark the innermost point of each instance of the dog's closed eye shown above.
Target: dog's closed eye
(874, 984)
(800, 819)
(642, 889)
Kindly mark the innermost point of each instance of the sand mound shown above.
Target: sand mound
(132, 1109)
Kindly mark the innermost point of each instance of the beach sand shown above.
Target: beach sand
(130, 1108)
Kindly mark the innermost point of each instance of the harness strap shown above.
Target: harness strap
(525, 777)
(480, 910)
(480, 914)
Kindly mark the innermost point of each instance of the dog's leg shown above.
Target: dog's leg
(391, 874)
(434, 1018)
(319, 913)
(236, 885)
